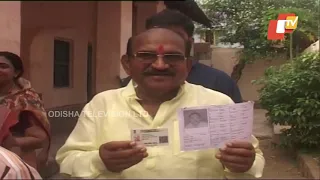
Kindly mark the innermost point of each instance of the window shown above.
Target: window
(62, 61)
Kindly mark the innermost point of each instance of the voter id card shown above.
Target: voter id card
(150, 137)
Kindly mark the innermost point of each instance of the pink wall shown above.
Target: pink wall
(41, 23)
(108, 45)
(126, 30)
(10, 23)
(255, 71)
(107, 25)
(145, 9)
(81, 22)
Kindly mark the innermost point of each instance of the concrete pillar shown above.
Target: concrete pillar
(145, 9)
(109, 39)
(10, 23)
(130, 24)
(126, 30)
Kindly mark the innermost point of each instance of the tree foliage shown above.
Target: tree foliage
(246, 22)
(291, 96)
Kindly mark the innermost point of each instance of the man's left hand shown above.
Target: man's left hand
(237, 156)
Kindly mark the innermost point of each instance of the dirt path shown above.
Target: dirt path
(279, 164)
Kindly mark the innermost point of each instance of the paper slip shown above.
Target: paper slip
(150, 137)
(212, 126)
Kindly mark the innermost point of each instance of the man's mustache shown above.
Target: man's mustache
(158, 73)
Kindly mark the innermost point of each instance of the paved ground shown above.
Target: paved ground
(261, 127)
(279, 164)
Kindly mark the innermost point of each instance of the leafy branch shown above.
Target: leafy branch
(246, 22)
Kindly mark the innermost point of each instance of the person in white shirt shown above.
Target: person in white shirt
(101, 147)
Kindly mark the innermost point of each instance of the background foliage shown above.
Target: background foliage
(291, 95)
(246, 22)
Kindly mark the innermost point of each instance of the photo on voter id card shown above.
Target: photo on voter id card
(150, 137)
(195, 118)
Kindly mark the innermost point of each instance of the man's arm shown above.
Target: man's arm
(256, 170)
(79, 156)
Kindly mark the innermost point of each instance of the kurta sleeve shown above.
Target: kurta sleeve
(79, 156)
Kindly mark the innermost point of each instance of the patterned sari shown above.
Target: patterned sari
(14, 124)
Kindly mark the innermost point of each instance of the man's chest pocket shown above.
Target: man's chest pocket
(178, 165)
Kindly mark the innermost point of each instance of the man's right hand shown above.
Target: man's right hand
(120, 155)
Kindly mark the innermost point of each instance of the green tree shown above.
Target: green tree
(246, 22)
(303, 35)
(291, 96)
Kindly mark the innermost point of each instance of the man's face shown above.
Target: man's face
(159, 63)
(7, 71)
(195, 119)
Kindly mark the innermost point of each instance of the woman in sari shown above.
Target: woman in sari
(25, 129)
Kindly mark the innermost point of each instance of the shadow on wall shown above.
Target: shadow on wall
(226, 58)
(253, 72)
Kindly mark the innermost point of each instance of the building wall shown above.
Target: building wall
(224, 58)
(82, 22)
(10, 22)
(126, 30)
(314, 47)
(41, 23)
(144, 10)
(106, 25)
(202, 53)
(253, 72)
(108, 45)
(141, 10)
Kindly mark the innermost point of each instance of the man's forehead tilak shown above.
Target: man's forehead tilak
(138, 39)
(160, 49)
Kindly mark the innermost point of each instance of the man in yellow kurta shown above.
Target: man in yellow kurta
(100, 146)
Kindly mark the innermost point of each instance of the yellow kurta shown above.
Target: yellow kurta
(112, 114)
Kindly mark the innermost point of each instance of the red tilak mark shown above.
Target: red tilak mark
(160, 49)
